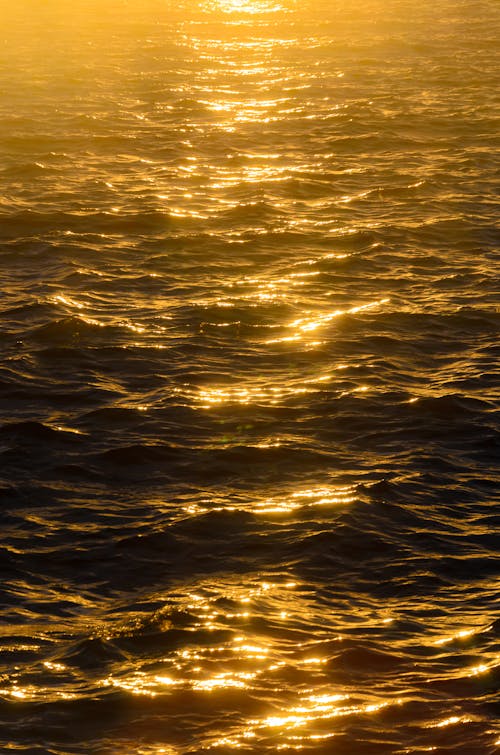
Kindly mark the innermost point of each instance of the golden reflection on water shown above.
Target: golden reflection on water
(234, 664)
(67, 301)
(225, 680)
(208, 398)
(252, 664)
(297, 726)
(292, 725)
(323, 496)
(55, 666)
(249, 7)
(304, 325)
(482, 668)
(35, 693)
(259, 392)
(463, 634)
(311, 497)
(257, 664)
(450, 722)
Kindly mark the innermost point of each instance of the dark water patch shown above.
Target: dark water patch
(142, 455)
(36, 432)
(27, 315)
(109, 417)
(71, 330)
(31, 223)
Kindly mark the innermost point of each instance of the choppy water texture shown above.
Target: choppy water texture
(249, 377)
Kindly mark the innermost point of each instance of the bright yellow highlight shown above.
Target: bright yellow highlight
(312, 497)
(310, 323)
(462, 634)
(249, 7)
(32, 693)
(450, 722)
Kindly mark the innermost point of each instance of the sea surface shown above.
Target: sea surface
(249, 377)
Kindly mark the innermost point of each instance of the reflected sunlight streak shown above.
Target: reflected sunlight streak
(248, 7)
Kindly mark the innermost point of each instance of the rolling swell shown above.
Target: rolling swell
(249, 378)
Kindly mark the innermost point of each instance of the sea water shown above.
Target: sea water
(249, 377)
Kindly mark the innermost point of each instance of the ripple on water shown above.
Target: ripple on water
(248, 380)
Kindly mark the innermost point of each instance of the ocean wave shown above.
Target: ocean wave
(249, 378)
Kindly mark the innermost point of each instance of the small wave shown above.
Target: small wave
(73, 330)
(32, 223)
(23, 171)
(113, 416)
(93, 653)
(365, 660)
(35, 432)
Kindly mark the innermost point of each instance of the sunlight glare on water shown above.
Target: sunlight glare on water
(253, 7)
(249, 377)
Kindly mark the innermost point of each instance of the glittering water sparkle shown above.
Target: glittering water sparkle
(249, 377)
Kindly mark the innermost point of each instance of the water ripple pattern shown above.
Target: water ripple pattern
(249, 377)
